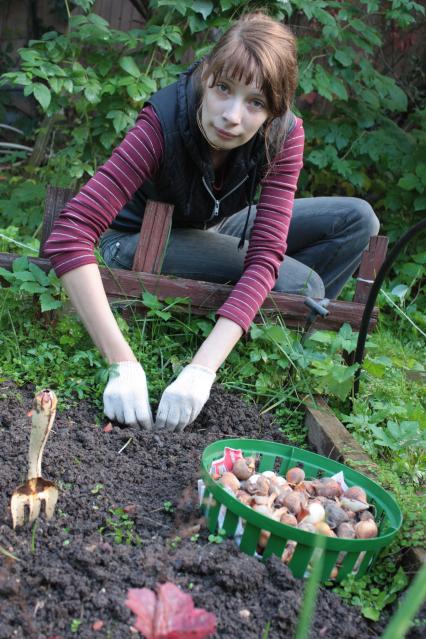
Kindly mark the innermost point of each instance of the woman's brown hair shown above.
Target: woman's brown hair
(261, 50)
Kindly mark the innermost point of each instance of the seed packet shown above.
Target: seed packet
(225, 463)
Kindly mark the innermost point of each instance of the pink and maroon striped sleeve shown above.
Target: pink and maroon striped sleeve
(84, 219)
(268, 241)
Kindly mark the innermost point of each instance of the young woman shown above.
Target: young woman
(206, 143)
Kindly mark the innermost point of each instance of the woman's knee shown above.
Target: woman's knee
(307, 283)
(366, 216)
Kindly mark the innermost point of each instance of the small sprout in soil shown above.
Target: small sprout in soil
(66, 542)
(75, 625)
(217, 539)
(121, 528)
(265, 633)
(190, 585)
(97, 489)
(174, 542)
(76, 461)
(168, 506)
(195, 537)
(64, 485)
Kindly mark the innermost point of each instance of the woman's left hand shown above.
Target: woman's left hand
(183, 400)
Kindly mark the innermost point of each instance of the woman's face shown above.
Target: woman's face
(232, 112)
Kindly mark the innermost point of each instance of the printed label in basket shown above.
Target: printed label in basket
(225, 463)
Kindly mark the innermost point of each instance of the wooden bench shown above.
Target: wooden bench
(204, 297)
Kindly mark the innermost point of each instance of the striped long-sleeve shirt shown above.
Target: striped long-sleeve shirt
(138, 158)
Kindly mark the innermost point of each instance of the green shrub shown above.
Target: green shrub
(365, 134)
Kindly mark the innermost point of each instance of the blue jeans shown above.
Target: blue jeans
(326, 239)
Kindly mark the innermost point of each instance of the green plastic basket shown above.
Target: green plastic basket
(354, 556)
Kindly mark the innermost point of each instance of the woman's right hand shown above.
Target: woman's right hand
(126, 395)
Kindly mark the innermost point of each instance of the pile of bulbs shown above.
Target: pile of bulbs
(318, 506)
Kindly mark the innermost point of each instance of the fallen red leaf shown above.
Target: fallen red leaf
(142, 602)
(169, 614)
(108, 428)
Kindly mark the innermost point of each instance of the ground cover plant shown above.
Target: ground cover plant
(365, 128)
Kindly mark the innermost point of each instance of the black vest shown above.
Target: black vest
(186, 176)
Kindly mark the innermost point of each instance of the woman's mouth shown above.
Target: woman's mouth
(225, 135)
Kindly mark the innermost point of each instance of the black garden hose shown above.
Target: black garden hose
(372, 296)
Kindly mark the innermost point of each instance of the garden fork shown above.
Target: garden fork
(36, 489)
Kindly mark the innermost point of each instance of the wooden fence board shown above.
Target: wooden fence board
(127, 286)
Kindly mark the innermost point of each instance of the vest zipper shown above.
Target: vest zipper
(217, 202)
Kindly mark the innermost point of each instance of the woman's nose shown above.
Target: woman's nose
(233, 112)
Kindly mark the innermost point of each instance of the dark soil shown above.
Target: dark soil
(68, 571)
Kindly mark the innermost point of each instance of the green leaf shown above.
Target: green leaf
(42, 95)
(205, 7)
(32, 287)
(196, 24)
(39, 275)
(400, 291)
(397, 98)
(421, 171)
(20, 264)
(148, 83)
(409, 182)
(119, 120)
(338, 88)
(48, 303)
(7, 275)
(324, 17)
(344, 56)
(371, 613)
(375, 368)
(420, 203)
(163, 314)
(136, 92)
(322, 337)
(128, 64)
(151, 301)
(322, 79)
(92, 93)
(180, 5)
(30, 55)
(24, 276)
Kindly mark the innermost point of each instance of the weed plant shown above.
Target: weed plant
(120, 527)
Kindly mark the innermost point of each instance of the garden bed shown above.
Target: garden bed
(68, 576)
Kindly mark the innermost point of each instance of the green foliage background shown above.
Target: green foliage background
(364, 124)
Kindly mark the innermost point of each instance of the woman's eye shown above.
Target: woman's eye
(258, 104)
(221, 86)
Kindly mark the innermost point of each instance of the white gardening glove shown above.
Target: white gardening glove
(126, 395)
(182, 401)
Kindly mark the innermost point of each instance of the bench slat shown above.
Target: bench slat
(153, 238)
(126, 286)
